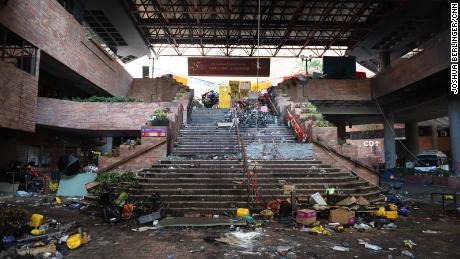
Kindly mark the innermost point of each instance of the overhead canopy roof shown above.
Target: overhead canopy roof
(287, 27)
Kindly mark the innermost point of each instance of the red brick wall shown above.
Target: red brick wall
(154, 89)
(321, 89)
(326, 135)
(18, 98)
(145, 160)
(345, 165)
(347, 90)
(48, 26)
(426, 143)
(97, 116)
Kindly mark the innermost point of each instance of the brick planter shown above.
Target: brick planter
(325, 135)
(349, 150)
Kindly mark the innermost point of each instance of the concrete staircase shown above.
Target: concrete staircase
(202, 138)
(185, 181)
(272, 133)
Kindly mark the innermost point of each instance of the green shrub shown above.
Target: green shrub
(322, 123)
(310, 107)
(115, 182)
(160, 114)
(12, 216)
(102, 99)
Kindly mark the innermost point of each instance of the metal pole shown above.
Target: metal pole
(306, 67)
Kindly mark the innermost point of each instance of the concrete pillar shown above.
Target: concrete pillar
(411, 130)
(384, 59)
(389, 140)
(108, 145)
(341, 133)
(434, 137)
(454, 126)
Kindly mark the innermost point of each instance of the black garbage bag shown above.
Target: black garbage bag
(69, 164)
(112, 214)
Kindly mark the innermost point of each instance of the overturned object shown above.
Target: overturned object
(305, 217)
(343, 216)
(75, 241)
(36, 251)
(318, 199)
(352, 200)
(150, 217)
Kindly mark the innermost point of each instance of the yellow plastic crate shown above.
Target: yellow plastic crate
(224, 97)
(391, 214)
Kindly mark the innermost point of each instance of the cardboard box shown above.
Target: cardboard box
(342, 215)
(305, 217)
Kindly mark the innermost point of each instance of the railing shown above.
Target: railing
(303, 133)
(272, 105)
(125, 159)
(306, 132)
(244, 159)
(173, 131)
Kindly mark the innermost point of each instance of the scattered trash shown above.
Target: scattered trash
(77, 240)
(407, 253)
(341, 248)
(361, 226)
(409, 244)
(403, 211)
(36, 251)
(343, 216)
(372, 247)
(7, 240)
(380, 212)
(318, 199)
(247, 218)
(267, 213)
(239, 238)
(390, 226)
(320, 230)
(368, 245)
(352, 200)
(306, 217)
(142, 229)
(431, 232)
(241, 212)
(150, 217)
(22, 194)
(75, 206)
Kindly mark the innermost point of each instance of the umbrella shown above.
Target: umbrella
(69, 164)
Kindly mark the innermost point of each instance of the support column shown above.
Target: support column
(434, 137)
(341, 133)
(454, 126)
(108, 145)
(389, 140)
(411, 130)
(384, 59)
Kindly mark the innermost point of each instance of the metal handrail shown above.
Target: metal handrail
(272, 104)
(307, 131)
(174, 130)
(245, 162)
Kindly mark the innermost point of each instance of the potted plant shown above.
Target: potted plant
(159, 118)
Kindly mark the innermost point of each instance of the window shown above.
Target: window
(145, 71)
(17, 51)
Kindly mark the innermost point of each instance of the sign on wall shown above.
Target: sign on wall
(228, 67)
(153, 132)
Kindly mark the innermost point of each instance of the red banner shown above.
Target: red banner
(228, 67)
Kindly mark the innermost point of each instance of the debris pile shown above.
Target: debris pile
(38, 236)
